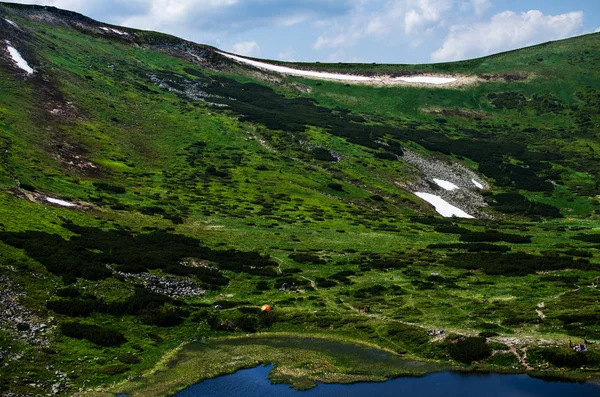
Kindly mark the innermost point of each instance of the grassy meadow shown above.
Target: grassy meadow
(258, 189)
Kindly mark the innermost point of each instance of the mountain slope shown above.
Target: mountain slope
(146, 181)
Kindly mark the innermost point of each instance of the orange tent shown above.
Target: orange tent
(266, 308)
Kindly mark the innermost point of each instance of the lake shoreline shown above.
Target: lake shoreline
(300, 361)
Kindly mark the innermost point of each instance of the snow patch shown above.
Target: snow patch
(338, 76)
(12, 23)
(16, 56)
(443, 208)
(298, 72)
(427, 80)
(479, 185)
(445, 184)
(119, 32)
(62, 203)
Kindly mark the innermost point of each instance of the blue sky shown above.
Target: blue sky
(392, 31)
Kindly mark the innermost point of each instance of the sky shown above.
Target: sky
(382, 31)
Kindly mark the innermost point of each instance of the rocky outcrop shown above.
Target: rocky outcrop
(466, 193)
(19, 321)
(170, 286)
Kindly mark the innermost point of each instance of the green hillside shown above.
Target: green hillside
(155, 192)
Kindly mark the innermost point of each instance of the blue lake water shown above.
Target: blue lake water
(254, 383)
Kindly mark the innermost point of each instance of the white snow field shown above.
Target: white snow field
(298, 72)
(62, 203)
(12, 23)
(427, 80)
(442, 206)
(445, 184)
(16, 56)
(479, 185)
(114, 31)
(337, 76)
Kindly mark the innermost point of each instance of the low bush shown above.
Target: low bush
(517, 264)
(386, 156)
(469, 349)
(307, 258)
(107, 187)
(114, 369)
(514, 203)
(336, 186)
(129, 358)
(472, 247)
(93, 333)
(493, 236)
(565, 357)
(451, 229)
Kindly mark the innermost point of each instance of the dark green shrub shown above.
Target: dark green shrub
(262, 286)
(517, 264)
(565, 357)
(515, 203)
(68, 292)
(493, 236)
(588, 238)
(325, 283)
(323, 154)
(107, 187)
(162, 318)
(307, 258)
(23, 327)
(93, 333)
(247, 323)
(469, 349)
(386, 156)
(472, 247)
(451, 229)
(129, 358)
(336, 186)
(114, 369)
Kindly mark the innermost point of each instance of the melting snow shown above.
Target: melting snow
(59, 202)
(21, 63)
(114, 31)
(12, 23)
(442, 206)
(337, 76)
(427, 79)
(445, 184)
(298, 72)
(479, 185)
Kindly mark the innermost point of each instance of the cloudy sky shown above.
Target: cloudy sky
(393, 31)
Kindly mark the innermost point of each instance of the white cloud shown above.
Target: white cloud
(505, 31)
(393, 20)
(361, 23)
(287, 55)
(597, 30)
(479, 6)
(203, 19)
(425, 13)
(247, 48)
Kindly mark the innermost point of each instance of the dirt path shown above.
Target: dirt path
(279, 261)
(384, 318)
(312, 283)
(522, 359)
